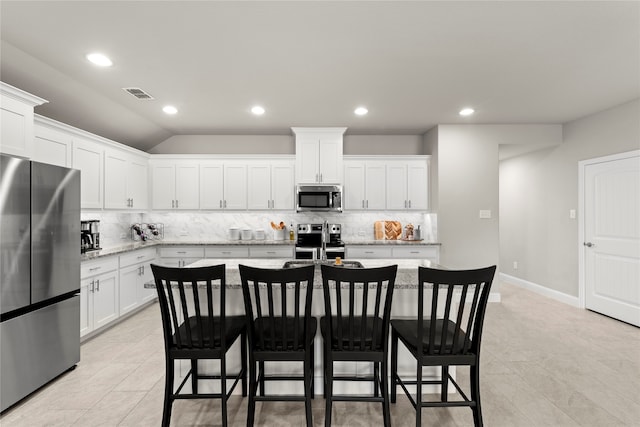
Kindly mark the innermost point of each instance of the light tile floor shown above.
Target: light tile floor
(543, 364)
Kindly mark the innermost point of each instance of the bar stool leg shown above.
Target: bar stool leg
(394, 364)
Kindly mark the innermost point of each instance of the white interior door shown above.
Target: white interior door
(612, 238)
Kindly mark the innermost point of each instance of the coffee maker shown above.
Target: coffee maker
(89, 235)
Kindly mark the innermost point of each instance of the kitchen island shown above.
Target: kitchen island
(404, 305)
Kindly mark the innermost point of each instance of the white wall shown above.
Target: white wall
(537, 190)
(284, 144)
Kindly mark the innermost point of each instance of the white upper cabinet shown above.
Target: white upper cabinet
(270, 185)
(364, 185)
(51, 144)
(408, 184)
(87, 156)
(16, 116)
(126, 178)
(175, 184)
(319, 154)
(223, 185)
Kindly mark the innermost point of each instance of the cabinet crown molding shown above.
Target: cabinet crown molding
(333, 130)
(21, 95)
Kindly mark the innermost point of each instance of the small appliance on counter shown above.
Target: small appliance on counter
(144, 232)
(89, 235)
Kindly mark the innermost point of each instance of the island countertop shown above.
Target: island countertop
(406, 277)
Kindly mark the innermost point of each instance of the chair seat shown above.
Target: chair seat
(408, 329)
(233, 326)
(356, 333)
(263, 329)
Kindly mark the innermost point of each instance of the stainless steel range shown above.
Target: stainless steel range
(319, 241)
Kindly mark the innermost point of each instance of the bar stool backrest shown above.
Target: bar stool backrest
(194, 294)
(278, 305)
(456, 316)
(357, 321)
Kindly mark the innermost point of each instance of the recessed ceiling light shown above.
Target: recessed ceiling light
(257, 110)
(361, 111)
(99, 59)
(170, 109)
(466, 111)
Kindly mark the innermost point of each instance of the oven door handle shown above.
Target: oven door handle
(305, 249)
(334, 250)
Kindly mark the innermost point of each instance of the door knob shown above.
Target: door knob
(588, 244)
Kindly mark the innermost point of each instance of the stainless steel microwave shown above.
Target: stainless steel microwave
(319, 197)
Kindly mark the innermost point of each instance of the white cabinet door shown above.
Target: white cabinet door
(163, 177)
(259, 186)
(105, 299)
(375, 188)
(87, 157)
(86, 306)
(137, 183)
(330, 159)
(397, 186)
(307, 162)
(354, 185)
(16, 116)
(116, 168)
(144, 294)
(51, 146)
(235, 186)
(187, 186)
(418, 185)
(211, 186)
(129, 288)
(282, 186)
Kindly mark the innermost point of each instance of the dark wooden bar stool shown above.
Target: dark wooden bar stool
(193, 331)
(357, 333)
(281, 329)
(446, 334)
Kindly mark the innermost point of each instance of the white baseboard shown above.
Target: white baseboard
(542, 290)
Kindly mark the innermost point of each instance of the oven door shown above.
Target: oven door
(334, 252)
(304, 252)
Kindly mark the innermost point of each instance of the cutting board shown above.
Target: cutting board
(387, 230)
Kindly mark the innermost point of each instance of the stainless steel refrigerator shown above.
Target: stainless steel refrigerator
(39, 275)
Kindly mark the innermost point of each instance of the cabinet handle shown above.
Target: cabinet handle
(141, 256)
(220, 204)
(271, 252)
(409, 203)
(363, 204)
(414, 252)
(98, 285)
(368, 252)
(132, 202)
(225, 204)
(95, 268)
(173, 203)
(320, 177)
(176, 203)
(91, 285)
(367, 204)
(226, 252)
(143, 269)
(181, 252)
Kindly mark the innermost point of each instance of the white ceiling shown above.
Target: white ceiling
(413, 64)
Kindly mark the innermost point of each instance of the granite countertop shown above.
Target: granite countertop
(392, 242)
(132, 246)
(406, 277)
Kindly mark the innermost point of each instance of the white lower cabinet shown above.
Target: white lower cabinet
(271, 251)
(432, 253)
(226, 252)
(135, 271)
(98, 294)
(367, 251)
(180, 256)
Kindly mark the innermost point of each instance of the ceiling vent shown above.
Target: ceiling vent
(137, 92)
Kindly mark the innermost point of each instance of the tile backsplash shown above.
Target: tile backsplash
(214, 226)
